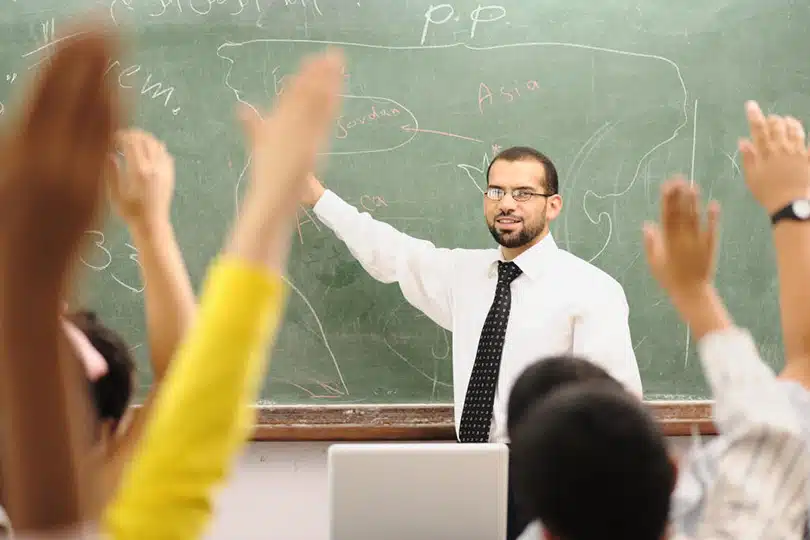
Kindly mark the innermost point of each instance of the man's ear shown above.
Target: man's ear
(554, 208)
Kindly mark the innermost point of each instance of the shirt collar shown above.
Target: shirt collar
(532, 261)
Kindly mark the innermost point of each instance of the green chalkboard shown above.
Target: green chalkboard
(619, 93)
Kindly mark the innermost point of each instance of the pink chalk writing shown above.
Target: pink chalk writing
(505, 94)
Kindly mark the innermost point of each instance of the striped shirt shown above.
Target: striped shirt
(698, 467)
(760, 490)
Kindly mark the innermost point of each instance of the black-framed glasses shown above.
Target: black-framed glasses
(520, 194)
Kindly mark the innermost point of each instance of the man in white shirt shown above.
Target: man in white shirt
(554, 302)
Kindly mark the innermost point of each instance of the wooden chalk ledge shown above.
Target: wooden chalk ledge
(425, 422)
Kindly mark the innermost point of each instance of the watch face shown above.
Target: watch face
(802, 209)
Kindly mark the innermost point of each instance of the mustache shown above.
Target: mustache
(510, 216)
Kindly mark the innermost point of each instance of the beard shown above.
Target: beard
(515, 239)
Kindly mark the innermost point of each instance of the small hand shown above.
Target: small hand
(681, 251)
(54, 151)
(283, 147)
(314, 190)
(284, 144)
(775, 159)
(141, 188)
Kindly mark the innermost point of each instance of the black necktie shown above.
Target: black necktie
(476, 417)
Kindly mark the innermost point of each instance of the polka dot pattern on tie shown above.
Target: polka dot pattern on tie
(476, 416)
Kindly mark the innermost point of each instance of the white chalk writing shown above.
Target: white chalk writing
(151, 88)
(103, 258)
(482, 14)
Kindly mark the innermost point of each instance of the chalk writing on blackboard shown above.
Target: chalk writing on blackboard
(481, 14)
(103, 258)
(504, 93)
(130, 75)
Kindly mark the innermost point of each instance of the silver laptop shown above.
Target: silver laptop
(417, 491)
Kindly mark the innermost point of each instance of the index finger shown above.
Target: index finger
(670, 193)
(757, 126)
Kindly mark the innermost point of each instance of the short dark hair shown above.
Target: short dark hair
(592, 463)
(112, 392)
(545, 376)
(527, 153)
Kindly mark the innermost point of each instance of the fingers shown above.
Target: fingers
(712, 226)
(748, 152)
(653, 243)
(674, 204)
(144, 153)
(680, 207)
(250, 121)
(794, 134)
(112, 176)
(285, 144)
(313, 94)
(757, 126)
(777, 133)
(771, 134)
(167, 159)
(690, 202)
(62, 138)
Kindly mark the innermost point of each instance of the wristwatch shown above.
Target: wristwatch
(798, 210)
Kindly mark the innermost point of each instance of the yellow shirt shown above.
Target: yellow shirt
(203, 414)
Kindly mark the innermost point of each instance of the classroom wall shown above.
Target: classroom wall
(279, 490)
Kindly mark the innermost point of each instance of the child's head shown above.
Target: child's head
(592, 463)
(112, 391)
(545, 376)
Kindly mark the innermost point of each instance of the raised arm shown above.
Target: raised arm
(760, 486)
(424, 272)
(777, 172)
(141, 190)
(50, 193)
(681, 256)
(203, 413)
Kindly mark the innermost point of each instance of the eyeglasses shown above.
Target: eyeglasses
(520, 195)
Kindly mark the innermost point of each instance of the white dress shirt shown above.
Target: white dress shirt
(560, 303)
(762, 473)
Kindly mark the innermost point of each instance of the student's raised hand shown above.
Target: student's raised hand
(55, 148)
(51, 190)
(285, 143)
(283, 147)
(775, 159)
(681, 249)
(314, 190)
(141, 185)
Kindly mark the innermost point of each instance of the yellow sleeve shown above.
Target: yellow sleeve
(202, 415)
